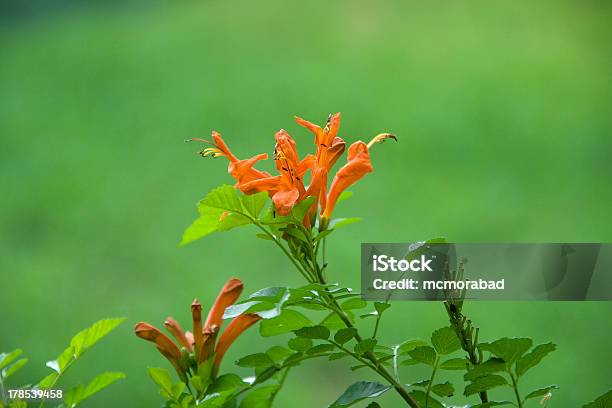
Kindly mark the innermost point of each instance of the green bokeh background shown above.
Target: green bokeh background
(502, 111)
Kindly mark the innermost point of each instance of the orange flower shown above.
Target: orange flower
(357, 166)
(201, 344)
(329, 149)
(287, 188)
(241, 170)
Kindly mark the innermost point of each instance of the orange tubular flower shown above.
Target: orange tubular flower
(329, 149)
(202, 344)
(241, 170)
(357, 166)
(287, 188)
(234, 329)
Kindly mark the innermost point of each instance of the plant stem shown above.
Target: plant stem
(431, 380)
(516, 391)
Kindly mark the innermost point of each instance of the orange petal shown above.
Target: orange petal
(164, 344)
(220, 144)
(208, 343)
(358, 165)
(228, 296)
(284, 200)
(175, 329)
(269, 184)
(243, 172)
(318, 132)
(233, 330)
(196, 313)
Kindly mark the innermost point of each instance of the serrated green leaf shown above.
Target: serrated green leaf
(13, 368)
(300, 344)
(508, 349)
(288, 321)
(445, 341)
(313, 332)
(455, 364)
(344, 335)
(278, 353)
(534, 357)
(254, 203)
(87, 338)
(424, 354)
(320, 349)
(261, 397)
(603, 401)
(161, 377)
(7, 358)
(365, 346)
(255, 360)
(421, 398)
(444, 389)
(484, 383)
(354, 304)
(205, 224)
(541, 391)
(409, 345)
(492, 365)
(359, 391)
(80, 393)
(223, 198)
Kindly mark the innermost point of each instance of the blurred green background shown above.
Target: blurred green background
(502, 110)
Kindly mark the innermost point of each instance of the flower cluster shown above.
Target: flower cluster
(287, 188)
(201, 344)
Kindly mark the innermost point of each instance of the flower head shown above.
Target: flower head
(201, 344)
(287, 188)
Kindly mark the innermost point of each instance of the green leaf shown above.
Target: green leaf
(333, 322)
(541, 391)
(87, 338)
(299, 211)
(48, 381)
(484, 383)
(223, 198)
(288, 321)
(409, 345)
(6, 358)
(381, 307)
(254, 203)
(422, 383)
(508, 349)
(373, 405)
(342, 222)
(424, 354)
(492, 404)
(359, 391)
(255, 360)
(492, 365)
(421, 398)
(300, 344)
(13, 368)
(443, 390)
(455, 364)
(344, 335)
(533, 358)
(353, 304)
(313, 332)
(278, 353)
(445, 341)
(603, 401)
(79, 393)
(365, 345)
(320, 349)
(345, 195)
(161, 377)
(205, 224)
(261, 397)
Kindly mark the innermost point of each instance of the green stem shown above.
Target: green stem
(516, 391)
(431, 380)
